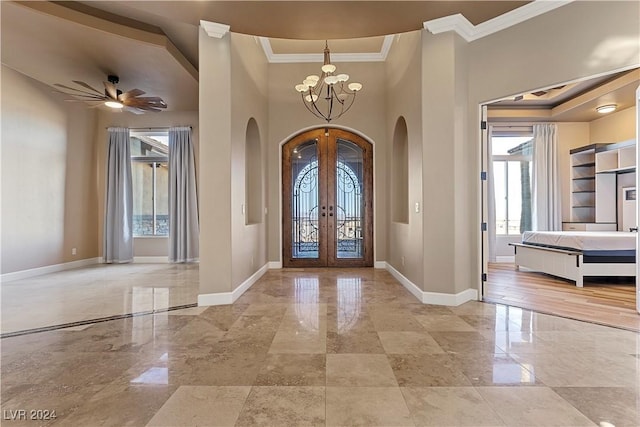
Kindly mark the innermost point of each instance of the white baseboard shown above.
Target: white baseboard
(380, 264)
(274, 265)
(32, 272)
(509, 258)
(435, 298)
(226, 298)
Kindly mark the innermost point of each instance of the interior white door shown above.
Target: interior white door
(484, 244)
(637, 204)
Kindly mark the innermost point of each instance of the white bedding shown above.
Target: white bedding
(583, 240)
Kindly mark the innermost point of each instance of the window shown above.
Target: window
(511, 156)
(150, 174)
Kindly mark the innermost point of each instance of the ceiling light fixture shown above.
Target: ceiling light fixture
(604, 109)
(113, 104)
(330, 87)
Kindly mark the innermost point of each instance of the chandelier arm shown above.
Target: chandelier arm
(317, 114)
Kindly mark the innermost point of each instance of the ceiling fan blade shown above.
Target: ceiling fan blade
(133, 110)
(111, 90)
(85, 93)
(85, 85)
(131, 94)
(140, 102)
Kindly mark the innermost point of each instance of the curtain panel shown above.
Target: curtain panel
(547, 212)
(184, 240)
(118, 213)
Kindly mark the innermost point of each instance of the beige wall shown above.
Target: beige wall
(445, 156)
(49, 202)
(215, 164)
(403, 69)
(287, 116)
(616, 127)
(548, 51)
(144, 246)
(249, 89)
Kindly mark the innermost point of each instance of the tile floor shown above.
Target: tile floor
(325, 347)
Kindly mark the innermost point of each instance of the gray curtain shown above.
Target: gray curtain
(118, 212)
(184, 237)
(547, 213)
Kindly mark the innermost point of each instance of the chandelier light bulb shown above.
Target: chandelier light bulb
(328, 68)
(331, 80)
(309, 82)
(355, 86)
(313, 77)
(311, 98)
(301, 87)
(343, 77)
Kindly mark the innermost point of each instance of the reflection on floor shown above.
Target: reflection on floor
(96, 292)
(607, 300)
(327, 347)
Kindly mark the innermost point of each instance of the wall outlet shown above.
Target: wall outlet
(73, 251)
(242, 207)
(402, 260)
(417, 207)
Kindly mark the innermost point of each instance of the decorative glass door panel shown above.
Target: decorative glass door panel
(327, 200)
(304, 201)
(349, 200)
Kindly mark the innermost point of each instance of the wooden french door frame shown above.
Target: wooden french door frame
(328, 221)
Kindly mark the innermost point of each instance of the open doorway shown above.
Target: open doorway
(509, 208)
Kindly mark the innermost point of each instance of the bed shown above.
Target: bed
(575, 254)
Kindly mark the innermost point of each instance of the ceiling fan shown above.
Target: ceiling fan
(113, 97)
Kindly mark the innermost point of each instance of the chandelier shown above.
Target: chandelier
(329, 87)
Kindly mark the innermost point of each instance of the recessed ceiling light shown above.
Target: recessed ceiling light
(604, 109)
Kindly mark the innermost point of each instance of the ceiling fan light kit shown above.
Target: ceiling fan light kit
(329, 87)
(113, 97)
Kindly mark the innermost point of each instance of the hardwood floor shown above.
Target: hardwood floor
(607, 301)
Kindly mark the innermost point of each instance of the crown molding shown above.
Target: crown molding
(291, 58)
(214, 29)
(470, 32)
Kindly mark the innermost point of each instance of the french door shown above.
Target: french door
(327, 181)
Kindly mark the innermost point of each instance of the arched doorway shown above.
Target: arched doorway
(327, 181)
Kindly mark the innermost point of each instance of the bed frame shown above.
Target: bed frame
(565, 263)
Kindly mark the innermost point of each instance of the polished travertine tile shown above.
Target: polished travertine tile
(427, 370)
(367, 406)
(407, 342)
(618, 406)
(195, 405)
(564, 369)
(293, 370)
(284, 406)
(484, 369)
(532, 406)
(444, 322)
(315, 347)
(449, 406)
(360, 370)
(354, 342)
(120, 405)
